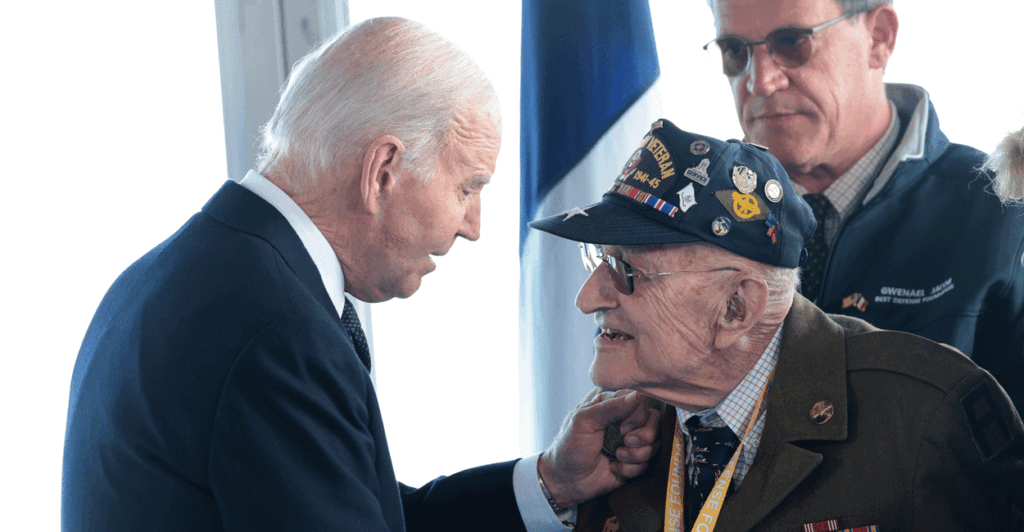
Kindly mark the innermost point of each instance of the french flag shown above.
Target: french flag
(588, 94)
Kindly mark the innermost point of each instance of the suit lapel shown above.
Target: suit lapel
(811, 368)
(778, 469)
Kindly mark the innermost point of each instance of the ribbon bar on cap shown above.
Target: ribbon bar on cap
(646, 198)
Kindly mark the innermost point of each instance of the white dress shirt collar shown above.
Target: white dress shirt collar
(313, 240)
(738, 406)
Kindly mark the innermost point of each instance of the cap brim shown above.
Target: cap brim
(613, 222)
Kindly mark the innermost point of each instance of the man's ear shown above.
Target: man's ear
(377, 178)
(883, 25)
(743, 309)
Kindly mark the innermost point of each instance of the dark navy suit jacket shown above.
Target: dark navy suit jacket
(216, 389)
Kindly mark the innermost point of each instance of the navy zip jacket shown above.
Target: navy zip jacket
(933, 252)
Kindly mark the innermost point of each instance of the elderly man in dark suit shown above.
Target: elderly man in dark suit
(223, 383)
(777, 416)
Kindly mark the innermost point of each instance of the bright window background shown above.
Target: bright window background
(113, 137)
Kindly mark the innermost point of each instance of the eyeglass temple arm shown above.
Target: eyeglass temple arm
(662, 274)
(810, 31)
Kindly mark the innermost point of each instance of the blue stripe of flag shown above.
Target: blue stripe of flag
(583, 64)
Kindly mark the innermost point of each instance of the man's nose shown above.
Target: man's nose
(764, 75)
(470, 229)
(597, 293)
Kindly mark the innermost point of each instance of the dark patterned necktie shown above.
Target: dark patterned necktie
(817, 247)
(712, 449)
(350, 320)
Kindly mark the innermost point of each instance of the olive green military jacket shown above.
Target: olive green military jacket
(920, 439)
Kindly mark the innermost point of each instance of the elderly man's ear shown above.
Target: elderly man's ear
(377, 178)
(743, 309)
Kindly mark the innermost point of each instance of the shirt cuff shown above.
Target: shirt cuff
(533, 506)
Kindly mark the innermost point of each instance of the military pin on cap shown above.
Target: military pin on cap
(773, 191)
(700, 147)
(744, 178)
(699, 173)
(687, 197)
(657, 125)
(773, 227)
(721, 226)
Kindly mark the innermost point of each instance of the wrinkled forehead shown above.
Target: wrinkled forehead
(474, 140)
(753, 19)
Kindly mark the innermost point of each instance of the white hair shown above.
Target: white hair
(782, 283)
(1006, 164)
(386, 76)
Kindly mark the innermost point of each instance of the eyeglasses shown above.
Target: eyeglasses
(594, 255)
(789, 47)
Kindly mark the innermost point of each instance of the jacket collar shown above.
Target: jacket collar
(243, 210)
(921, 140)
(811, 368)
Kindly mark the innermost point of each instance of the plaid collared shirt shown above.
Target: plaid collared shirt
(735, 410)
(847, 192)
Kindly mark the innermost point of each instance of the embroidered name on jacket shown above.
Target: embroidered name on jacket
(913, 296)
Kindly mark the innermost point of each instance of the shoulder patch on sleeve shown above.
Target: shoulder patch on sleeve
(988, 428)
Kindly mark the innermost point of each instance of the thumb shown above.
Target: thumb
(614, 408)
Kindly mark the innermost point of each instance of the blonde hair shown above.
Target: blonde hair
(1006, 164)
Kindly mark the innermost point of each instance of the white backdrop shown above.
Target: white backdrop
(112, 137)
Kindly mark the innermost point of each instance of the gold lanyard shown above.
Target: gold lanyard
(708, 517)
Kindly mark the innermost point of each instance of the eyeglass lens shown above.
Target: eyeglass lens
(789, 47)
(622, 276)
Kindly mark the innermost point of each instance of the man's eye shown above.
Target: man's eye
(732, 51)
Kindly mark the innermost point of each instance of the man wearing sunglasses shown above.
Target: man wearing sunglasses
(778, 417)
(908, 236)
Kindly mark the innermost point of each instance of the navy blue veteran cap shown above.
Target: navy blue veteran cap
(680, 187)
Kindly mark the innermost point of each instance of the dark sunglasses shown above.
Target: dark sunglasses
(789, 47)
(594, 255)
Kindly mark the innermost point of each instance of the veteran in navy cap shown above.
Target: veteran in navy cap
(777, 415)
